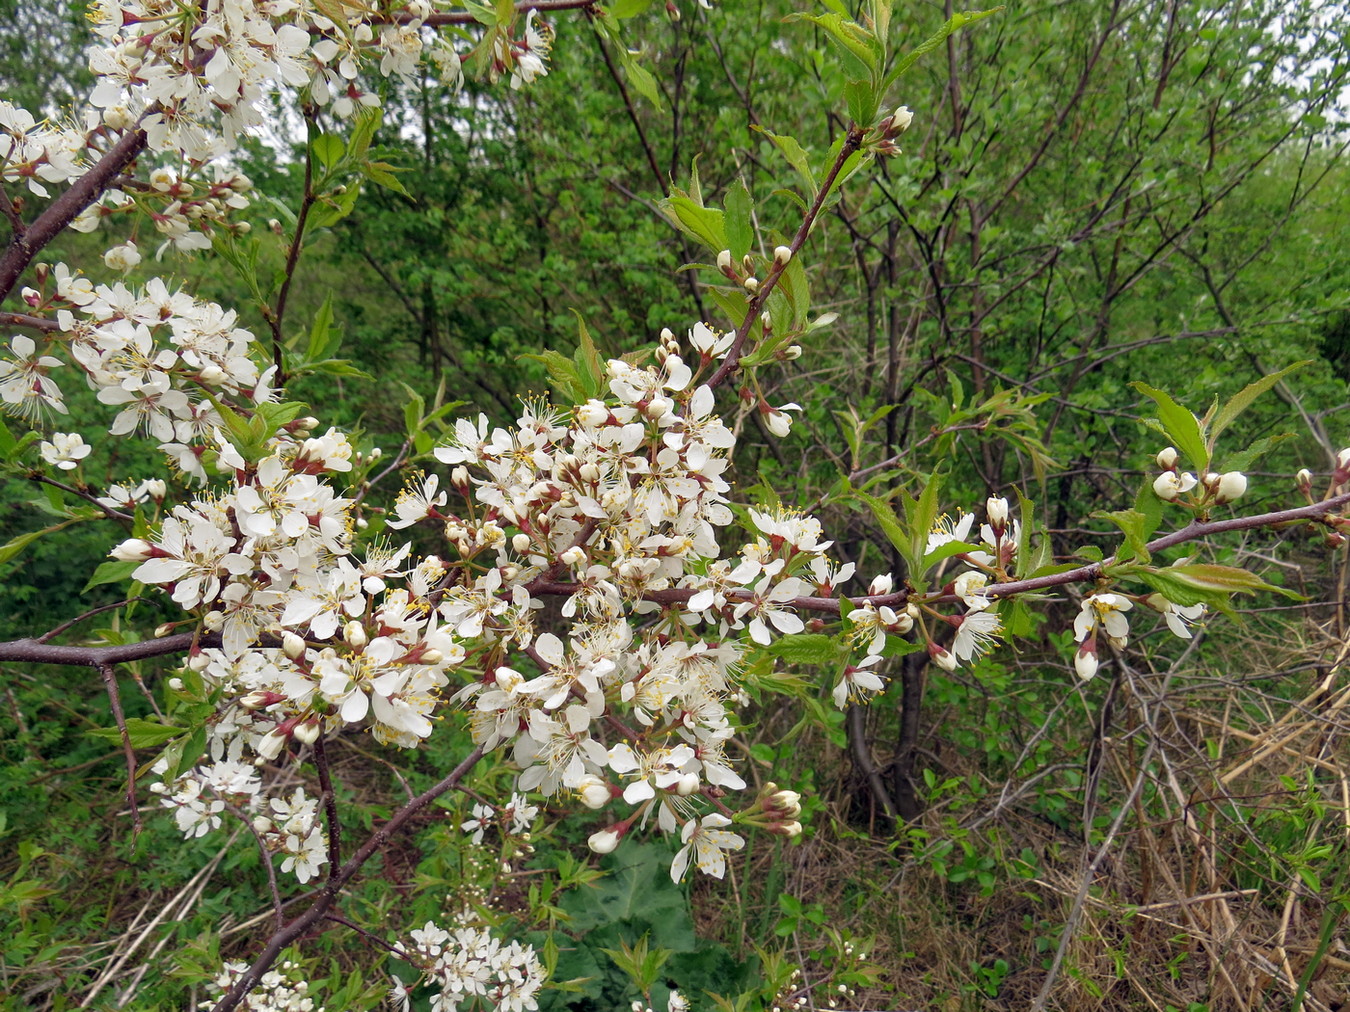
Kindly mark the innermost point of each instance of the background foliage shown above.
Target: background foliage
(1091, 193)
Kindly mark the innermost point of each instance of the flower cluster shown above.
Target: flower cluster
(276, 991)
(470, 967)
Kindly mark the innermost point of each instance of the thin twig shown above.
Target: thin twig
(319, 908)
(115, 702)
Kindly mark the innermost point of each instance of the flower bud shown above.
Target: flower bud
(1166, 486)
(686, 785)
(292, 645)
(903, 624)
(198, 662)
(213, 621)
(996, 508)
(355, 635)
(1231, 485)
(1167, 458)
(132, 550)
(520, 542)
(431, 656)
(751, 285)
(781, 255)
(271, 744)
(1343, 460)
(260, 699)
(1085, 659)
(942, 657)
(880, 585)
(459, 477)
(593, 792)
(604, 841)
(1304, 479)
(176, 684)
(308, 732)
(724, 263)
(574, 556)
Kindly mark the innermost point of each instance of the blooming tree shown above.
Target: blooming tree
(305, 618)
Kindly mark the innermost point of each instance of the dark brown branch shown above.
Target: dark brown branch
(277, 315)
(319, 908)
(329, 807)
(31, 322)
(115, 702)
(36, 652)
(62, 211)
(53, 633)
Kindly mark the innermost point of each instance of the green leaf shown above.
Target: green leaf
(112, 571)
(1182, 427)
(701, 223)
(640, 78)
(808, 648)
(862, 100)
(562, 372)
(862, 51)
(323, 338)
(958, 21)
(142, 733)
(382, 174)
(739, 229)
(590, 369)
(1242, 400)
(327, 149)
(797, 158)
(1131, 524)
(887, 520)
(1244, 459)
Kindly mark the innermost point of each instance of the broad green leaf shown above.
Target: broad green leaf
(739, 229)
(1242, 400)
(863, 101)
(702, 223)
(625, 9)
(327, 149)
(112, 571)
(797, 158)
(1131, 524)
(562, 372)
(142, 733)
(1244, 459)
(1182, 427)
(861, 49)
(958, 21)
(808, 648)
(382, 174)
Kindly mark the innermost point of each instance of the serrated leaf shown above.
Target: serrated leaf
(808, 648)
(961, 19)
(112, 571)
(142, 733)
(382, 174)
(736, 220)
(888, 520)
(702, 223)
(562, 372)
(1242, 400)
(1244, 459)
(327, 149)
(797, 158)
(1180, 425)
(1131, 524)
